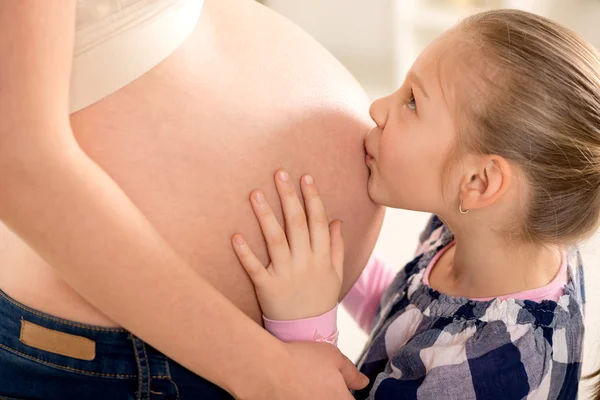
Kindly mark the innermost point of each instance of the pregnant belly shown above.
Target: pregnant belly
(189, 140)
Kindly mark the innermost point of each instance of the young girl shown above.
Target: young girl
(496, 131)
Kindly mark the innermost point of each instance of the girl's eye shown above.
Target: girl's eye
(411, 103)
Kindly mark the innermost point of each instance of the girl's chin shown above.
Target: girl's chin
(371, 188)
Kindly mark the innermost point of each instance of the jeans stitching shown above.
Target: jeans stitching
(48, 363)
(149, 372)
(167, 369)
(139, 364)
(171, 378)
(59, 320)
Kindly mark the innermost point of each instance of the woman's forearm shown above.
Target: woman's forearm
(82, 223)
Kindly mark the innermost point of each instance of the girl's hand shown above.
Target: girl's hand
(305, 274)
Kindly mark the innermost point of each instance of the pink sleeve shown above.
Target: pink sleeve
(319, 329)
(364, 297)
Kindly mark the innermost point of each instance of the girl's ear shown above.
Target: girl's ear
(486, 182)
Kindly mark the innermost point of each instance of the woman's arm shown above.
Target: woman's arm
(70, 211)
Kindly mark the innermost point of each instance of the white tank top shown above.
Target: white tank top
(117, 41)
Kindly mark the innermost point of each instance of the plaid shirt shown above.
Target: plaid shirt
(427, 345)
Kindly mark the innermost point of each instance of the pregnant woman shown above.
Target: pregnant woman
(131, 133)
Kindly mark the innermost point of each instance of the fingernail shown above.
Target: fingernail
(284, 176)
(364, 380)
(259, 197)
(238, 240)
(308, 180)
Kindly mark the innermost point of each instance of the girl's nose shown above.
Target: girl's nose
(379, 111)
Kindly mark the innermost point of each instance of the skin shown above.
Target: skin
(194, 172)
(306, 270)
(145, 188)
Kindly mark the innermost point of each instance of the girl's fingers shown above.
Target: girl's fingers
(277, 244)
(337, 247)
(318, 223)
(295, 218)
(255, 269)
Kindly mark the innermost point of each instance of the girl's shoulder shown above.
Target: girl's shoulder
(424, 341)
(473, 350)
(432, 239)
(435, 237)
(409, 289)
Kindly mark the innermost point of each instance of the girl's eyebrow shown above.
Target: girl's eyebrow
(412, 76)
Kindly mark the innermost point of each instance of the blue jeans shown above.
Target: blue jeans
(49, 358)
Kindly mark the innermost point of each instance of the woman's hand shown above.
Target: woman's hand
(329, 380)
(306, 270)
(306, 371)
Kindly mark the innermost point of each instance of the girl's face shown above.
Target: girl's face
(408, 151)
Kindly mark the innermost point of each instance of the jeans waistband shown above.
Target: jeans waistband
(87, 349)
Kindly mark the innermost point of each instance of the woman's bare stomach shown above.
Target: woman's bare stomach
(246, 94)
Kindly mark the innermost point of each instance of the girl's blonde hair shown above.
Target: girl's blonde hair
(540, 109)
(595, 390)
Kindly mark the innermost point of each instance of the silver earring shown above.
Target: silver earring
(461, 210)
